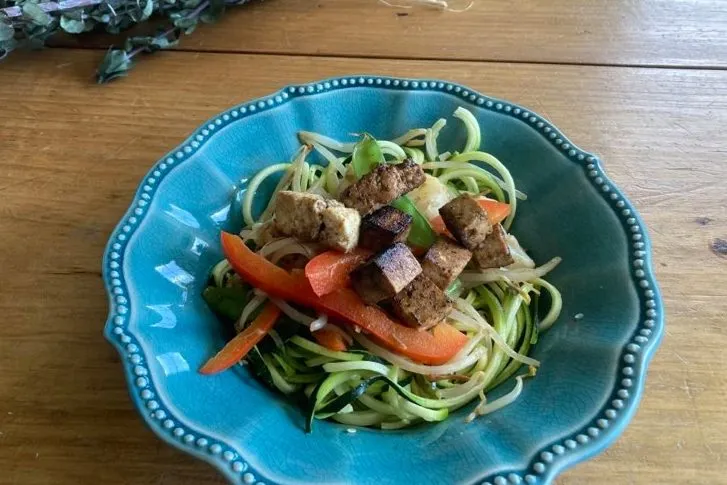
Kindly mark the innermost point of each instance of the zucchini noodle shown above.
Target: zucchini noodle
(292, 313)
(416, 154)
(316, 138)
(252, 305)
(475, 172)
(410, 137)
(555, 306)
(500, 403)
(430, 139)
(220, 271)
(391, 148)
(498, 339)
(474, 135)
(276, 245)
(408, 365)
(474, 278)
(361, 382)
(253, 186)
(330, 157)
(458, 165)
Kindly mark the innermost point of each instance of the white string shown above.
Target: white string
(440, 4)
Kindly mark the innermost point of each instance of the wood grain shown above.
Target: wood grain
(72, 153)
(624, 32)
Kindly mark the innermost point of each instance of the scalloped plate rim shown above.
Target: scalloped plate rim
(536, 471)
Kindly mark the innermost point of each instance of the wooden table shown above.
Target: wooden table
(642, 83)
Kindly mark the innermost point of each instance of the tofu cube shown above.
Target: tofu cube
(466, 220)
(384, 227)
(385, 274)
(422, 304)
(444, 261)
(494, 252)
(382, 185)
(298, 214)
(267, 232)
(311, 218)
(339, 226)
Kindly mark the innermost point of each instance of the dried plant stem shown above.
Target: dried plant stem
(52, 7)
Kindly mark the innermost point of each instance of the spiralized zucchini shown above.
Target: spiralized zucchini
(369, 385)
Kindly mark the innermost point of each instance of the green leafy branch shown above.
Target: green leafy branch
(29, 23)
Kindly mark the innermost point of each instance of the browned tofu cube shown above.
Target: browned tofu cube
(422, 304)
(298, 214)
(444, 261)
(382, 185)
(384, 227)
(494, 252)
(386, 274)
(466, 220)
(310, 217)
(339, 226)
(267, 232)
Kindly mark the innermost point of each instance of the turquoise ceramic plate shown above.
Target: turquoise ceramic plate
(593, 368)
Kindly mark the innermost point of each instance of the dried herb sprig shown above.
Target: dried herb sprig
(29, 23)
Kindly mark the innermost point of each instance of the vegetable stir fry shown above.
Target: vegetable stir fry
(380, 286)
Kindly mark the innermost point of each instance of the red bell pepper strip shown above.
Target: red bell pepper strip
(428, 347)
(238, 347)
(496, 212)
(331, 339)
(330, 271)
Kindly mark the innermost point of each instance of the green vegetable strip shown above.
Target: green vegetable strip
(252, 187)
(328, 385)
(278, 380)
(471, 184)
(287, 369)
(320, 350)
(319, 361)
(497, 316)
(555, 305)
(430, 139)
(359, 418)
(514, 365)
(395, 424)
(476, 173)
(383, 408)
(421, 233)
(227, 303)
(392, 149)
(306, 378)
(415, 154)
(366, 156)
(454, 289)
(474, 135)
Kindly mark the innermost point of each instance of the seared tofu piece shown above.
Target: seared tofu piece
(382, 185)
(384, 227)
(311, 218)
(298, 214)
(444, 261)
(339, 226)
(494, 252)
(386, 274)
(422, 304)
(466, 220)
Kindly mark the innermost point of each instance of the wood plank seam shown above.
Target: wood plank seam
(431, 59)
